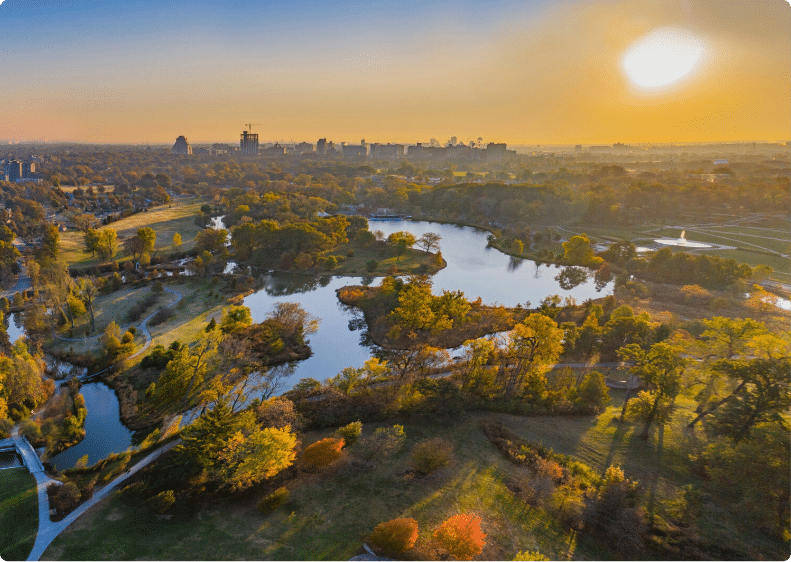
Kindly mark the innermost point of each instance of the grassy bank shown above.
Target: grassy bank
(18, 513)
(166, 220)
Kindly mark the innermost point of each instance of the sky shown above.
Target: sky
(526, 72)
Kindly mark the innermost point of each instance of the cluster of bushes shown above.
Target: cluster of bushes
(136, 312)
(160, 357)
(459, 536)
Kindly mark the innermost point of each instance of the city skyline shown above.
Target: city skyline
(97, 71)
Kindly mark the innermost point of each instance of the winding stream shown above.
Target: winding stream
(341, 339)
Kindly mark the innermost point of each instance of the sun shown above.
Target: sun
(661, 57)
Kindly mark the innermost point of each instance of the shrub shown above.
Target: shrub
(323, 453)
(430, 455)
(277, 412)
(371, 265)
(395, 536)
(351, 432)
(161, 502)
(162, 315)
(461, 535)
(529, 556)
(273, 500)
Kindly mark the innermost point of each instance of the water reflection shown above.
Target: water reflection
(571, 276)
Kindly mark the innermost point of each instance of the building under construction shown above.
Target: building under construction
(248, 142)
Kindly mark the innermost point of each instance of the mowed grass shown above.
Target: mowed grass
(18, 513)
(166, 220)
(112, 307)
(330, 514)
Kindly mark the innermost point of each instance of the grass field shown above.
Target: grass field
(166, 220)
(329, 515)
(18, 513)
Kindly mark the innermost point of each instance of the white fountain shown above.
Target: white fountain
(681, 241)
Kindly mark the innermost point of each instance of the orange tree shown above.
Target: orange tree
(461, 535)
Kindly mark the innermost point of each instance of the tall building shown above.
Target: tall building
(321, 146)
(248, 143)
(28, 169)
(181, 146)
(14, 170)
(303, 148)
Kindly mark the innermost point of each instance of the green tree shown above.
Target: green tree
(248, 458)
(401, 240)
(235, 318)
(414, 310)
(661, 368)
(211, 240)
(385, 441)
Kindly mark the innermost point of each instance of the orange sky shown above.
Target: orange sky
(521, 73)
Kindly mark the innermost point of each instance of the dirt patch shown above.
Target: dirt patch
(114, 515)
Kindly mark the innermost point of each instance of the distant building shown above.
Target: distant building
(496, 151)
(303, 148)
(14, 170)
(321, 146)
(387, 150)
(181, 146)
(248, 143)
(354, 150)
(28, 169)
(275, 150)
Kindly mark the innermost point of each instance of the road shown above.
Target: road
(48, 530)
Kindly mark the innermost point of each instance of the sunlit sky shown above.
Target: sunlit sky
(526, 72)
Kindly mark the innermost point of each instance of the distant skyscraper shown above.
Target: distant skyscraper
(248, 143)
(14, 170)
(181, 146)
(321, 146)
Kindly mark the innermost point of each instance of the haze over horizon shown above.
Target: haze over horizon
(535, 72)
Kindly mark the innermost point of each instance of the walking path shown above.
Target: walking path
(143, 327)
(48, 530)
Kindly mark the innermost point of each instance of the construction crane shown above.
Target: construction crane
(250, 126)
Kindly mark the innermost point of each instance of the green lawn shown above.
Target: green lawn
(18, 513)
(329, 515)
(166, 220)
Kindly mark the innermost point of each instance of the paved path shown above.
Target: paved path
(48, 530)
(33, 464)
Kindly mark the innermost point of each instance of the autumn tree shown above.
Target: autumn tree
(176, 240)
(323, 453)
(462, 536)
(385, 441)
(401, 241)
(395, 536)
(578, 251)
(532, 347)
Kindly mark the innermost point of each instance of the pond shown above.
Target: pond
(341, 340)
(104, 432)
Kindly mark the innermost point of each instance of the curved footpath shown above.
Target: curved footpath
(48, 530)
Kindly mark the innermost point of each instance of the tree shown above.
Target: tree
(593, 394)
(384, 441)
(91, 239)
(176, 240)
(533, 345)
(761, 396)
(235, 318)
(323, 453)
(476, 356)
(661, 369)
(148, 237)
(48, 251)
(263, 453)
(414, 310)
(429, 241)
(462, 536)
(106, 243)
(578, 251)
(211, 239)
(401, 240)
(395, 536)
(187, 370)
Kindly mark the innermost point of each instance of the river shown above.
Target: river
(341, 338)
